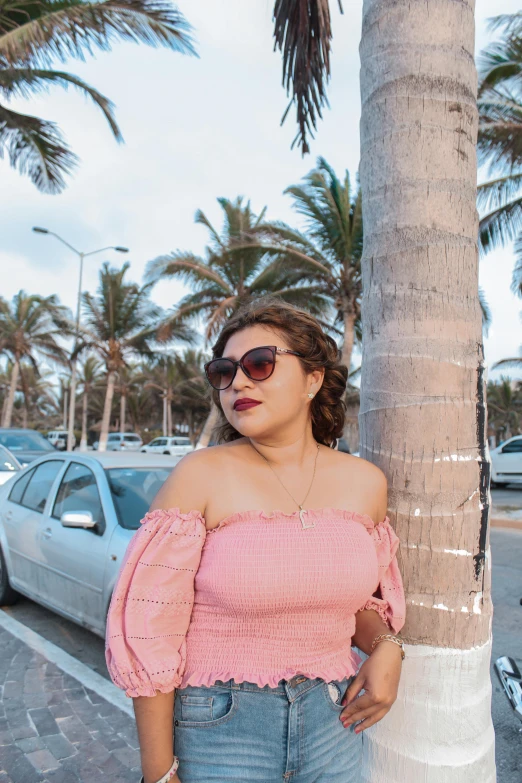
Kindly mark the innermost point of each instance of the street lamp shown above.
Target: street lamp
(72, 389)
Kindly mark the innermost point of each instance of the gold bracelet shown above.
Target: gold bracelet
(388, 637)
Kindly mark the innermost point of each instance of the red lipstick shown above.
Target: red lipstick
(244, 403)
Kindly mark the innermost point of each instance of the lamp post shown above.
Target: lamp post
(72, 389)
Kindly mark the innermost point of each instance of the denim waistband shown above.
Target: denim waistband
(291, 688)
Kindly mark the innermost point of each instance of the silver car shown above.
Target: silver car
(65, 523)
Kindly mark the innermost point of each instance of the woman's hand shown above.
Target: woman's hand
(379, 676)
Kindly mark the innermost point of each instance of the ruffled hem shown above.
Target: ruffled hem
(328, 674)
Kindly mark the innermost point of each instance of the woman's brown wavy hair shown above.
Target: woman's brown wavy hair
(302, 333)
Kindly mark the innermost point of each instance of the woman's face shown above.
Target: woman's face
(283, 402)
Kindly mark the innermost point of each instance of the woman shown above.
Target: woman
(261, 560)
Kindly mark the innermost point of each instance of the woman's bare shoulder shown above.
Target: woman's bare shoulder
(368, 479)
(187, 486)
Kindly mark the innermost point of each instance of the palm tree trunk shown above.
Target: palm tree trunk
(107, 408)
(347, 349)
(423, 416)
(169, 418)
(165, 416)
(8, 410)
(83, 441)
(206, 432)
(123, 400)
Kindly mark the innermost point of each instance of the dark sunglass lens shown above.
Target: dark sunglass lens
(220, 372)
(259, 363)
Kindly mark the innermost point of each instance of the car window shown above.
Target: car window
(25, 441)
(181, 441)
(514, 447)
(133, 490)
(154, 442)
(19, 486)
(113, 437)
(161, 442)
(78, 491)
(39, 487)
(131, 438)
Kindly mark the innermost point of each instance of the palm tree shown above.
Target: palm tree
(233, 270)
(330, 251)
(500, 138)
(505, 406)
(30, 327)
(33, 35)
(121, 322)
(90, 376)
(128, 381)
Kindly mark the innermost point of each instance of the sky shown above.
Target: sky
(195, 129)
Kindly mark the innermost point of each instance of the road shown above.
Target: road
(506, 548)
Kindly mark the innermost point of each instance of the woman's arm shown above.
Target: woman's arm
(154, 720)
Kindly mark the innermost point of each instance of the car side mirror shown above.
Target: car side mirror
(78, 519)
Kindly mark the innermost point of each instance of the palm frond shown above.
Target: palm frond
(514, 362)
(500, 128)
(186, 266)
(36, 148)
(500, 226)
(486, 312)
(516, 280)
(35, 35)
(27, 81)
(302, 32)
(493, 194)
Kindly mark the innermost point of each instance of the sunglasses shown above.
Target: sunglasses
(258, 364)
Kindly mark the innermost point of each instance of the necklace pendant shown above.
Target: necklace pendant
(304, 523)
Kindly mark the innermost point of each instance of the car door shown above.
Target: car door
(22, 513)
(508, 460)
(75, 558)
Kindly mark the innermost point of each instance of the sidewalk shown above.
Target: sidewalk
(53, 728)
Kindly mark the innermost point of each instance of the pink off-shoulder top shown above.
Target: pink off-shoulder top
(259, 598)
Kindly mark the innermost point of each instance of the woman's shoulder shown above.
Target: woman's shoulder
(362, 481)
(188, 484)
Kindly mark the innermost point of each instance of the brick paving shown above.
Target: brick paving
(54, 730)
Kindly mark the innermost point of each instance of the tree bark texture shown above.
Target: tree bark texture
(8, 410)
(423, 417)
(106, 419)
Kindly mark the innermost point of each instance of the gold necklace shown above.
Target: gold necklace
(302, 511)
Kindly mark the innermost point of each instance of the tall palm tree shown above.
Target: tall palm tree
(505, 406)
(233, 270)
(500, 138)
(121, 322)
(329, 253)
(33, 35)
(128, 381)
(90, 376)
(30, 328)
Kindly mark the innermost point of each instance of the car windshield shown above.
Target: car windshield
(25, 441)
(133, 490)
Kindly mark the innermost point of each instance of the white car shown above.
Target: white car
(506, 462)
(9, 465)
(58, 439)
(122, 441)
(176, 445)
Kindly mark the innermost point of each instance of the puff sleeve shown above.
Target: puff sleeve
(152, 602)
(390, 602)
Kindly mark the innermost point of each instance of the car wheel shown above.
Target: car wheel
(167, 453)
(8, 596)
(498, 484)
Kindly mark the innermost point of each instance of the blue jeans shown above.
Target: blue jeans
(241, 732)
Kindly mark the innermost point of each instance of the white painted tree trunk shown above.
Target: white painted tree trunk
(109, 394)
(123, 403)
(165, 416)
(8, 410)
(423, 418)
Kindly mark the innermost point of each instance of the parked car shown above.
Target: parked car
(506, 462)
(175, 445)
(9, 465)
(65, 523)
(58, 439)
(122, 441)
(26, 445)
